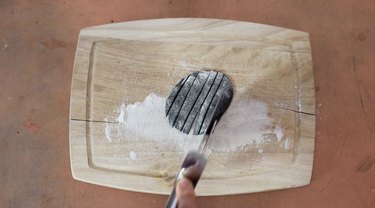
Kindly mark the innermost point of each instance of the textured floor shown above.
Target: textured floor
(37, 46)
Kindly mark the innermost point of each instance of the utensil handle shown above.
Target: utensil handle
(192, 169)
(172, 200)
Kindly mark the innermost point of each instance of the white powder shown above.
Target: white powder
(146, 121)
(245, 122)
(120, 118)
(184, 63)
(287, 144)
(108, 131)
(133, 155)
(279, 133)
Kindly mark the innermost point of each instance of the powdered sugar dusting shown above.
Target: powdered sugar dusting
(246, 122)
(279, 133)
(146, 121)
(121, 115)
(287, 144)
(108, 131)
(133, 155)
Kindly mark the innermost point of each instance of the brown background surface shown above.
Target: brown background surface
(37, 46)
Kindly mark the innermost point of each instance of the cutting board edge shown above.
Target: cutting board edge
(77, 177)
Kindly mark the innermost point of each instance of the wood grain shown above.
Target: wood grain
(124, 62)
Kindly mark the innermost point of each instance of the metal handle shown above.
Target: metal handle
(192, 169)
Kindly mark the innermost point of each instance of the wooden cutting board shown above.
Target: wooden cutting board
(124, 71)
